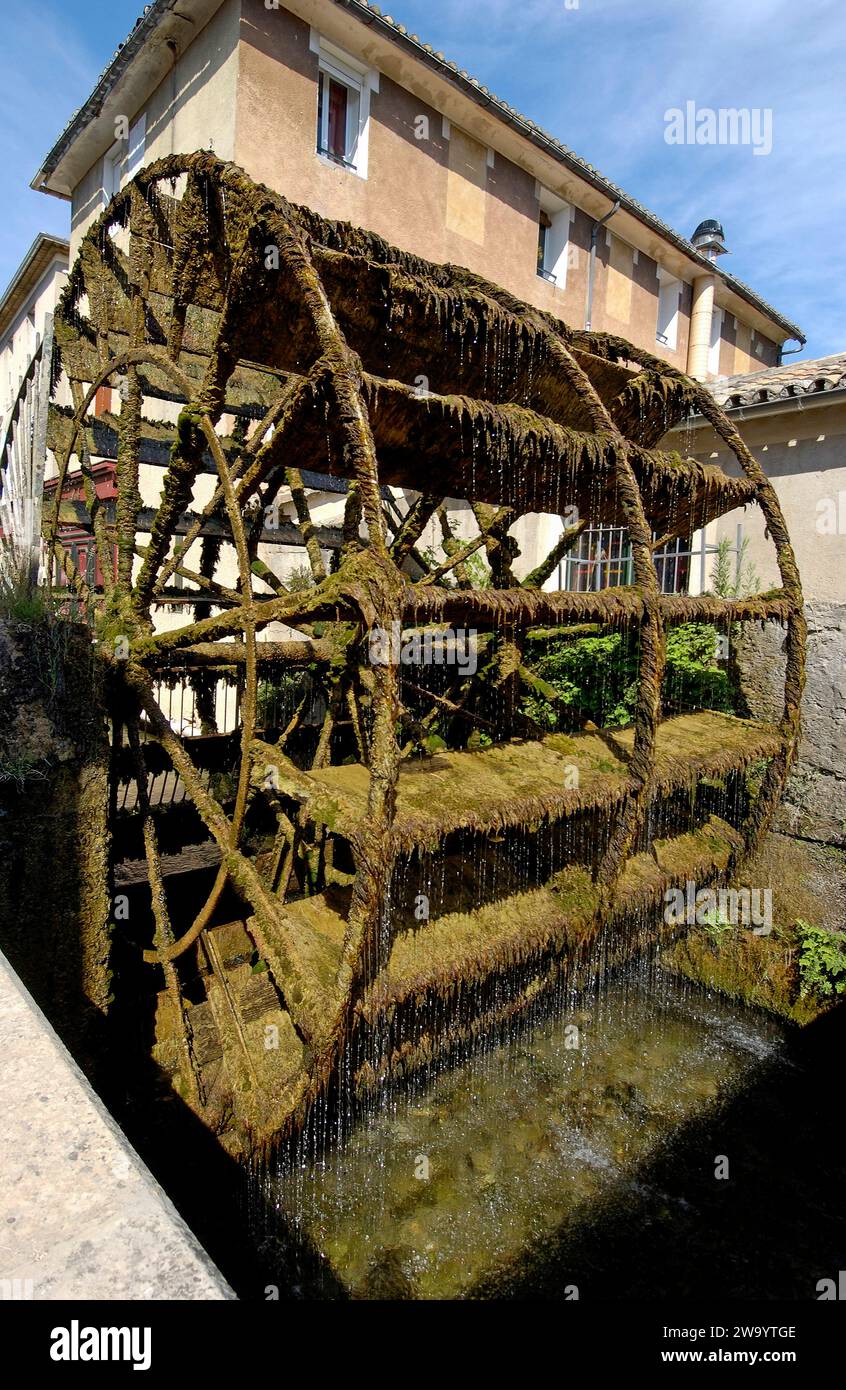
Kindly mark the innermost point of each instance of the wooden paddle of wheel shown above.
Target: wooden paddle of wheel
(201, 290)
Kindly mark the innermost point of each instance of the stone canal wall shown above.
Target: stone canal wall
(55, 908)
(814, 806)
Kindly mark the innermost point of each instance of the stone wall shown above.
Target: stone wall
(814, 806)
(55, 908)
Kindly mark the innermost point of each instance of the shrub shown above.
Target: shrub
(822, 961)
(21, 601)
(693, 679)
(736, 578)
(597, 676)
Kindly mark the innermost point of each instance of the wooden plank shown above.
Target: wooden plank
(189, 860)
(73, 513)
(523, 782)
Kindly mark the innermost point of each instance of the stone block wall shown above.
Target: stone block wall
(55, 909)
(814, 806)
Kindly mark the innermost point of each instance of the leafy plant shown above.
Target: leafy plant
(299, 578)
(693, 678)
(21, 768)
(597, 676)
(479, 739)
(822, 961)
(20, 600)
(478, 571)
(277, 698)
(475, 568)
(733, 580)
(717, 927)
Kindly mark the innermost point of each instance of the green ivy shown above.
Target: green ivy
(693, 679)
(597, 676)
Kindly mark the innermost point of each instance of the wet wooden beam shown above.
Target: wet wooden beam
(76, 514)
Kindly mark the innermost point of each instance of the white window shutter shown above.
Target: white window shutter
(668, 310)
(137, 143)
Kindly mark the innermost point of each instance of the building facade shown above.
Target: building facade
(793, 418)
(30, 296)
(335, 106)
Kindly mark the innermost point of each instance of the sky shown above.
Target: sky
(601, 76)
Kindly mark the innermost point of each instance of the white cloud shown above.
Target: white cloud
(601, 78)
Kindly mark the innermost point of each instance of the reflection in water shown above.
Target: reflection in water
(448, 1184)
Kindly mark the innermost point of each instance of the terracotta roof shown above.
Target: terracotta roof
(372, 16)
(781, 383)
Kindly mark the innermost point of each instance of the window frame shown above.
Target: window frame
(112, 172)
(327, 74)
(359, 80)
(556, 258)
(669, 290)
(136, 146)
(601, 558)
(544, 228)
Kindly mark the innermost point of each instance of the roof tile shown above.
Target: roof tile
(780, 383)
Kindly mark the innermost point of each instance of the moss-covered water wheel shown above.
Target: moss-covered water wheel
(283, 342)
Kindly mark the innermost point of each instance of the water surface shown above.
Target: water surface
(448, 1189)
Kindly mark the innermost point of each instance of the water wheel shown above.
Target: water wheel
(252, 345)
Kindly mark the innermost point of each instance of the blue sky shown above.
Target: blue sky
(598, 74)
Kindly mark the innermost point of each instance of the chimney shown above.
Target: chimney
(709, 238)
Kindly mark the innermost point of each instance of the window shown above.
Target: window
(82, 550)
(136, 146)
(601, 558)
(672, 562)
(124, 159)
(103, 400)
(112, 169)
(544, 228)
(338, 106)
(554, 220)
(667, 327)
(343, 106)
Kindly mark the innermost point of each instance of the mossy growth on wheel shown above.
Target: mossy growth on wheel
(246, 384)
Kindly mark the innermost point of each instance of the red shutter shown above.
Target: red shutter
(337, 120)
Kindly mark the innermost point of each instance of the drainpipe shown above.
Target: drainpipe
(594, 235)
(701, 318)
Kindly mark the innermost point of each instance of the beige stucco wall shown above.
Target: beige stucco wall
(18, 343)
(803, 452)
(438, 197)
(435, 196)
(742, 350)
(192, 109)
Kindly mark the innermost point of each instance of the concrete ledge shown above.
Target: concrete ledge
(81, 1217)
